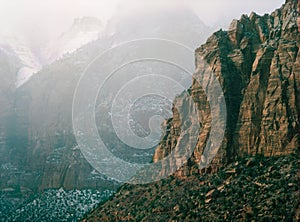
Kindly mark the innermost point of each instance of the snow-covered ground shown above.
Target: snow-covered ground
(53, 205)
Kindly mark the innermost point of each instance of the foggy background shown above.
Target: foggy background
(39, 21)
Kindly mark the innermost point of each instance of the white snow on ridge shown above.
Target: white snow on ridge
(24, 74)
(31, 63)
(83, 31)
(64, 46)
(28, 59)
(80, 40)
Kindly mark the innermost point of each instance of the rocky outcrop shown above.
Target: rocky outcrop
(257, 64)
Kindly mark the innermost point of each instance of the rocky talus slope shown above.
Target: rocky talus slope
(250, 189)
(257, 64)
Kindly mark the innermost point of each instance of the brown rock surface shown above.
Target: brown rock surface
(257, 64)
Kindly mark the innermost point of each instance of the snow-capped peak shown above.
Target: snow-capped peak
(83, 31)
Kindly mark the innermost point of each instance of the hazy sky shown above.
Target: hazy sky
(48, 18)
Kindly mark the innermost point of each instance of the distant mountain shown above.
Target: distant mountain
(33, 59)
(38, 150)
(41, 141)
(178, 24)
(82, 31)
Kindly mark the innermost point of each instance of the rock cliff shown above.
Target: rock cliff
(257, 64)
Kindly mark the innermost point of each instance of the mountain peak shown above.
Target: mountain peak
(83, 31)
(87, 24)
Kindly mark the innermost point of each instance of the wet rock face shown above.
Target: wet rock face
(257, 64)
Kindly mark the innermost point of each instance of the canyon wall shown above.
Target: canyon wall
(257, 64)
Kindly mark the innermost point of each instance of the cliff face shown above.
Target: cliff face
(44, 145)
(9, 65)
(257, 64)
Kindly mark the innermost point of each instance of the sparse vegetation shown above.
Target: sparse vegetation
(250, 189)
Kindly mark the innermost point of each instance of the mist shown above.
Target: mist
(39, 21)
